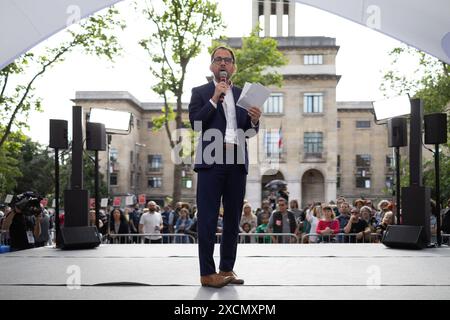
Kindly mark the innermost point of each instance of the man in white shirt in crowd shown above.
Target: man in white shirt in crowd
(151, 222)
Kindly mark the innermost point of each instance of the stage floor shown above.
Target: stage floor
(271, 272)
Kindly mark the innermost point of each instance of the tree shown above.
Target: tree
(9, 163)
(181, 27)
(93, 35)
(36, 166)
(430, 82)
(256, 59)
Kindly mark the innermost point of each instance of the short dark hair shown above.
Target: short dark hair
(222, 48)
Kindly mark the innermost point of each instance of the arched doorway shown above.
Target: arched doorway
(313, 187)
(265, 179)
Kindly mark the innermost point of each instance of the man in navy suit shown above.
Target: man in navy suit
(221, 163)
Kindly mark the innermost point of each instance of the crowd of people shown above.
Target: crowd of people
(340, 221)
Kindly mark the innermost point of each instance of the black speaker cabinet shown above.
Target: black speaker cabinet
(416, 208)
(58, 134)
(95, 136)
(435, 128)
(397, 132)
(73, 238)
(404, 237)
(76, 208)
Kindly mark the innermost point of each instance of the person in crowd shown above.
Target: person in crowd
(248, 217)
(284, 193)
(359, 203)
(264, 228)
(246, 228)
(23, 229)
(383, 207)
(282, 221)
(388, 219)
(43, 238)
(313, 215)
(328, 225)
(183, 223)
(293, 205)
(119, 225)
(151, 223)
(135, 216)
(266, 208)
(356, 227)
(433, 221)
(366, 215)
(165, 214)
(174, 216)
(343, 218)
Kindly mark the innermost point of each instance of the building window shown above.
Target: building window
(338, 163)
(339, 124)
(313, 103)
(363, 160)
(313, 143)
(132, 157)
(363, 182)
(389, 182)
(272, 143)
(138, 123)
(113, 154)
(149, 125)
(274, 104)
(313, 59)
(113, 179)
(154, 162)
(362, 124)
(338, 182)
(154, 182)
(390, 164)
(186, 182)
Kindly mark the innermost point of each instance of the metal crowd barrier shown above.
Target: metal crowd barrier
(342, 238)
(259, 237)
(139, 238)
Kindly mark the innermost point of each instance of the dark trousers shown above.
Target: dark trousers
(224, 182)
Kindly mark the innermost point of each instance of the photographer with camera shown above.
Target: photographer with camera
(23, 222)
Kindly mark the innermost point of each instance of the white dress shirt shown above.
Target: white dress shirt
(229, 109)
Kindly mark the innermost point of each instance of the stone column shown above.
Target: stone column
(291, 29)
(267, 11)
(280, 18)
(294, 188)
(255, 13)
(330, 190)
(253, 192)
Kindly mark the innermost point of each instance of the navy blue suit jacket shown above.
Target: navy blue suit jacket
(201, 110)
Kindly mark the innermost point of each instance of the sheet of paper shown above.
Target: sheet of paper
(253, 94)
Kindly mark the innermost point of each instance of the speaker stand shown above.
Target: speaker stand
(438, 195)
(57, 227)
(397, 182)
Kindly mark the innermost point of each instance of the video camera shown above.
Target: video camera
(29, 203)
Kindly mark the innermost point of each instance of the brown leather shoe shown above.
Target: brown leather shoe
(235, 280)
(215, 280)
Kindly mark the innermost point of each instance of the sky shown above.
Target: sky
(361, 61)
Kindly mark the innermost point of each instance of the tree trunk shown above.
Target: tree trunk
(178, 168)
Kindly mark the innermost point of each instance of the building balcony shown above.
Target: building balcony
(313, 157)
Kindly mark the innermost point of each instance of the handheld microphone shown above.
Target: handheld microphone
(223, 77)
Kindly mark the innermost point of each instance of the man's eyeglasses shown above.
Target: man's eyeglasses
(218, 60)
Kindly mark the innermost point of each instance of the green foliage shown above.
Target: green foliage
(94, 35)
(429, 81)
(180, 28)
(36, 166)
(9, 163)
(256, 59)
